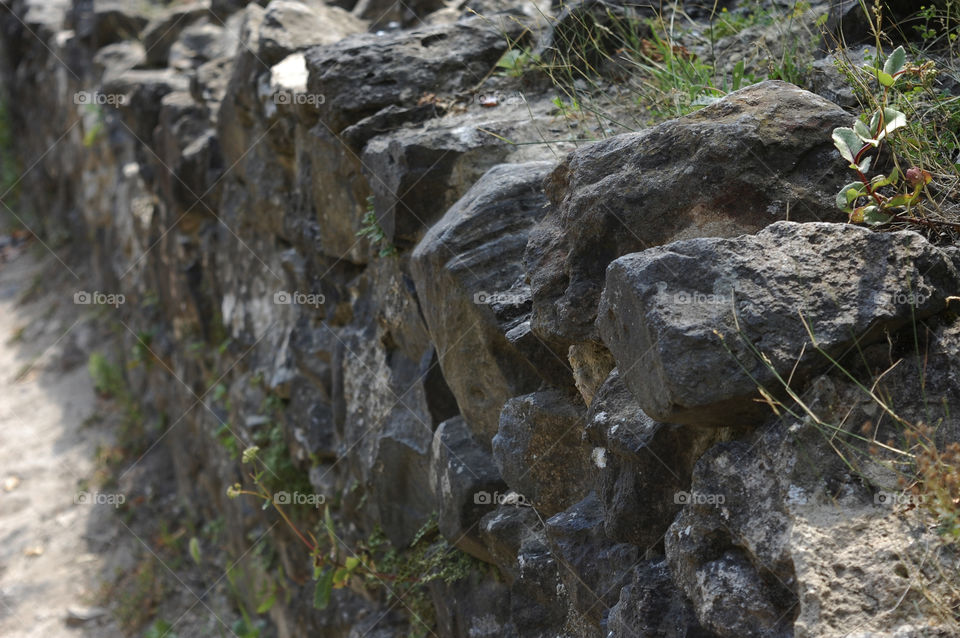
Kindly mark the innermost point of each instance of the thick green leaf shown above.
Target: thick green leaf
(340, 577)
(321, 595)
(892, 120)
(352, 563)
(879, 181)
(195, 549)
(894, 176)
(509, 59)
(885, 79)
(865, 164)
(846, 142)
(849, 193)
(874, 216)
(896, 61)
(863, 132)
(267, 605)
(904, 199)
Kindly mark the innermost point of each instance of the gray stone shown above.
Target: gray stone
(460, 267)
(143, 90)
(539, 451)
(115, 59)
(465, 483)
(774, 538)
(474, 607)
(103, 22)
(593, 568)
(365, 73)
(504, 530)
(417, 173)
(848, 22)
(389, 14)
(591, 364)
(200, 43)
(640, 465)
(538, 601)
(651, 606)
(162, 31)
(760, 155)
(290, 25)
(667, 314)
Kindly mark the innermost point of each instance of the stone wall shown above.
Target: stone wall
(343, 237)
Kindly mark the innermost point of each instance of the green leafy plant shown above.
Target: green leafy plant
(160, 629)
(869, 200)
(97, 126)
(515, 62)
(373, 231)
(370, 564)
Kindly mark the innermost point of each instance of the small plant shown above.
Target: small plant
(371, 564)
(868, 200)
(515, 62)
(109, 382)
(373, 231)
(107, 378)
(936, 483)
(137, 594)
(160, 629)
(97, 124)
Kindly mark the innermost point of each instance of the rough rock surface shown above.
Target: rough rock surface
(476, 305)
(760, 155)
(539, 445)
(642, 466)
(688, 322)
(345, 236)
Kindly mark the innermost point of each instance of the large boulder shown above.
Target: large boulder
(470, 284)
(808, 520)
(698, 325)
(780, 538)
(760, 155)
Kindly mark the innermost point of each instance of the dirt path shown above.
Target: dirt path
(71, 563)
(48, 437)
